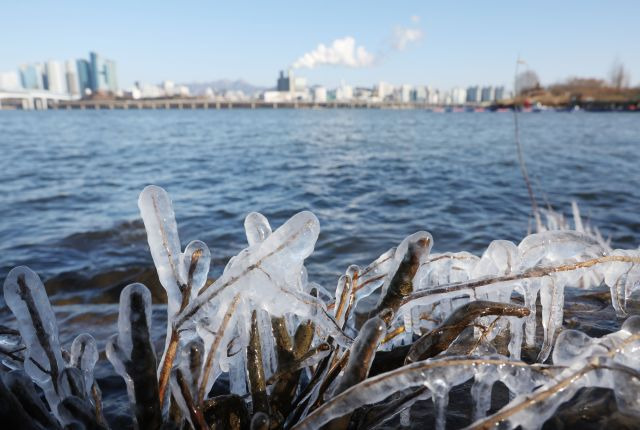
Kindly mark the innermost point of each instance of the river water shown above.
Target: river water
(69, 183)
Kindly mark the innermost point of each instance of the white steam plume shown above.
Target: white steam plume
(341, 52)
(404, 36)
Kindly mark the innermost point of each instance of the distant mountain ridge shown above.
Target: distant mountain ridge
(223, 85)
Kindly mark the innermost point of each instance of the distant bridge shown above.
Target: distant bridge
(201, 103)
(34, 99)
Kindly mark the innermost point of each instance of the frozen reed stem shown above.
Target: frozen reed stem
(439, 339)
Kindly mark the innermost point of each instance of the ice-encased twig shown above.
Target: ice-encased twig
(212, 348)
(75, 406)
(26, 297)
(361, 353)
(266, 271)
(410, 254)
(255, 370)
(131, 353)
(164, 243)
(609, 362)
(84, 356)
(184, 382)
(286, 248)
(453, 370)
(439, 339)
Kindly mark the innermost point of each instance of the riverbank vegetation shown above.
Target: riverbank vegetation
(264, 346)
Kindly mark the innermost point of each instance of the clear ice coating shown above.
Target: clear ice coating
(162, 234)
(84, 356)
(131, 353)
(257, 228)
(26, 297)
(194, 266)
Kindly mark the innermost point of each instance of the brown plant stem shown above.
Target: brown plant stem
(536, 272)
(208, 364)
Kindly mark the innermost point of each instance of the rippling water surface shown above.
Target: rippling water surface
(69, 181)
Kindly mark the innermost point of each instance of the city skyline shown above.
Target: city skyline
(359, 43)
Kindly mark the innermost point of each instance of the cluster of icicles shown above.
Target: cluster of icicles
(297, 356)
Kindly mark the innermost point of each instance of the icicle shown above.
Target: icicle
(622, 279)
(481, 390)
(552, 301)
(267, 343)
(26, 297)
(440, 394)
(515, 342)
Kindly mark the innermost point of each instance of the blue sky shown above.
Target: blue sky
(456, 43)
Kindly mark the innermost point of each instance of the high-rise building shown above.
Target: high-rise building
(31, 76)
(383, 90)
(420, 94)
(84, 76)
(98, 76)
(473, 94)
(433, 95)
(103, 74)
(402, 94)
(111, 77)
(487, 94)
(344, 92)
(56, 80)
(458, 96)
(499, 94)
(71, 75)
(284, 83)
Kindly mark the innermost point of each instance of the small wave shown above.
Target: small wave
(124, 232)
